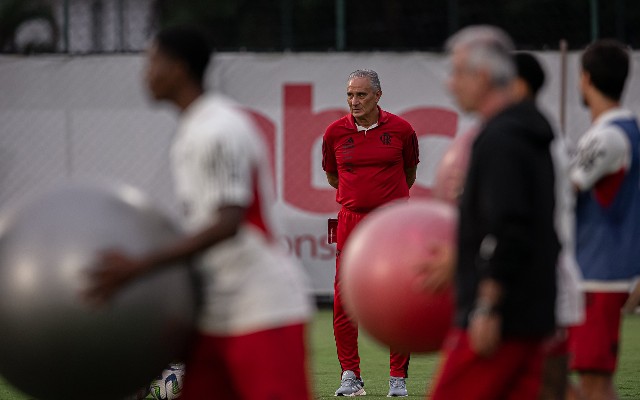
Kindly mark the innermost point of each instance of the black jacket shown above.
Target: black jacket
(508, 207)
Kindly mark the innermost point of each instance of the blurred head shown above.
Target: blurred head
(481, 61)
(177, 56)
(363, 93)
(529, 76)
(605, 66)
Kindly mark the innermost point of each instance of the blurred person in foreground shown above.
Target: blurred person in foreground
(605, 173)
(251, 326)
(530, 78)
(505, 271)
(370, 156)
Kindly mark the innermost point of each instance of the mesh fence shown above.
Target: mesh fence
(104, 26)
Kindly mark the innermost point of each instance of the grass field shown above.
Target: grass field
(375, 365)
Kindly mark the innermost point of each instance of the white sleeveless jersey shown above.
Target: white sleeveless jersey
(249, 283)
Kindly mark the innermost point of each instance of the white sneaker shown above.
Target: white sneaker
(350, 386)
(397, 387)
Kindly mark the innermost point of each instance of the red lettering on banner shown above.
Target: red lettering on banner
(309, 246)
(301, 129)
(430, 121)
(268, 130)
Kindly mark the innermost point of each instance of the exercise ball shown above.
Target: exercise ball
(381, 278)
(53, 343)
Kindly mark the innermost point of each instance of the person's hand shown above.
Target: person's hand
(453, 185)
(485, 321)
(436, 273)
(633, 301)
(484, 333)
(113, 270)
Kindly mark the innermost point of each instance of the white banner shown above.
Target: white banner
(89, 116)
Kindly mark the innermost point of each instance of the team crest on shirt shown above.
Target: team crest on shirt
(385, 138)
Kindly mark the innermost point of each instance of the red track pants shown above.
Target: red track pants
(344, 329)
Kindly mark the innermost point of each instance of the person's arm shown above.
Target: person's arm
(410, 174)
(602, 154)
(504, 201)
(332, 178)
(225, 175)
(436, 273)
(506, 166)
(411, 157)
(115, 268)
(228, 221)
(329, 162)
(485, 323)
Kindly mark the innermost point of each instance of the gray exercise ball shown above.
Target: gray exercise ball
(53, 344)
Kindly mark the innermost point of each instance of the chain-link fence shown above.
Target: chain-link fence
(76, 26)
(90, 26)
(98, 26)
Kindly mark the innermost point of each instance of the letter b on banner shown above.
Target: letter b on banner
(301, 129)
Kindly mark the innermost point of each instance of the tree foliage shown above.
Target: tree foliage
(399, 25)
(15, 13)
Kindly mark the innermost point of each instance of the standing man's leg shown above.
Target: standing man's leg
(398, 373)
(513, 371)
(249, 366)
(398, 364)
(345, 330)
(594, 345)
(555, 372)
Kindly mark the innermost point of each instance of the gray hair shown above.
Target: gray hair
(369, 74)
(489, 47)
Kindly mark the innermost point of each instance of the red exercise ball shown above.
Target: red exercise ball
(380, 276)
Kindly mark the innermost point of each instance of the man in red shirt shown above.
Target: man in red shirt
(370, 156)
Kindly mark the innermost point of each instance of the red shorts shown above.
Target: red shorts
(264, 365)
(514, 372)
(594, 344)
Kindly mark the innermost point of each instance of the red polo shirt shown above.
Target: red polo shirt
(370, 164)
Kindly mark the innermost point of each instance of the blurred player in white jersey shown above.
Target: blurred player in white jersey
(251, 327)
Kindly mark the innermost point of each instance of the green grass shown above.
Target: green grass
(375, 364)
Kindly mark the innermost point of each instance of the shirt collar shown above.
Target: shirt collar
(362, 128)
(383, 117)
(611, 115)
